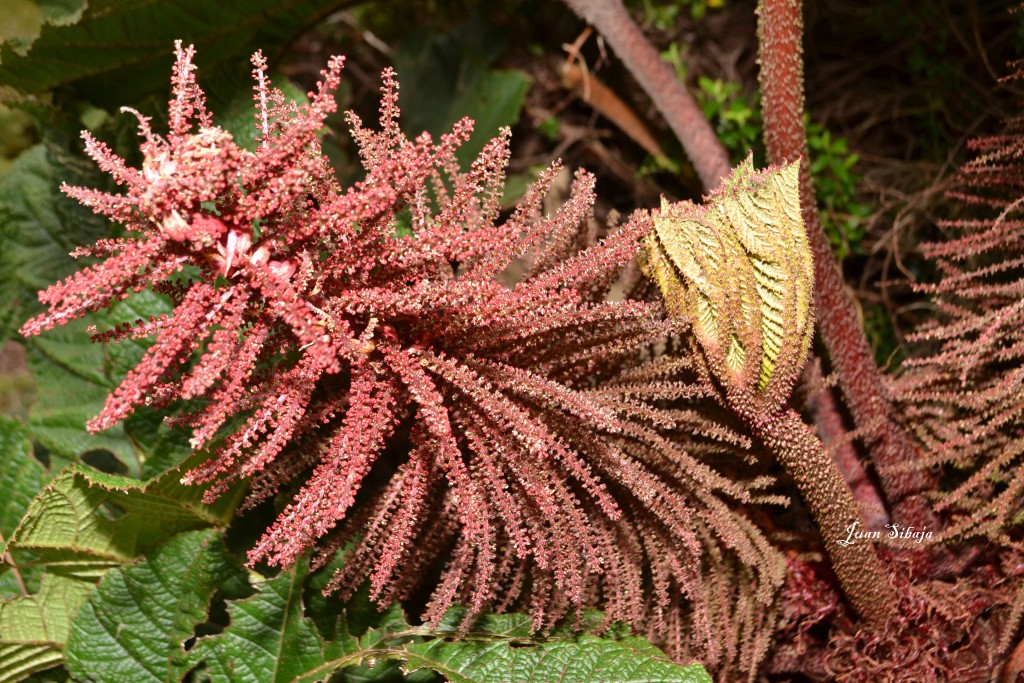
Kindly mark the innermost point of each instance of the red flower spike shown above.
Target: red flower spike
(520, 430)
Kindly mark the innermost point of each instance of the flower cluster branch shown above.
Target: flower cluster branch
(419, 410)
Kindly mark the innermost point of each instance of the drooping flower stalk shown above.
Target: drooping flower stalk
(739, 267)
(964, 394)
(780, 32)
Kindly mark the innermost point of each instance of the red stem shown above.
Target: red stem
(861, 574)
(827, 418)
(659, 81)
(780, 30)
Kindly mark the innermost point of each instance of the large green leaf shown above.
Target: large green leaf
(76, 529)
(502, 649)
(21, 475)
(67, 397)
(268, 639)
(34, 628)
(31, 627)
(39, 226)
(25, 18)
(272, 638)
(134, 626)
(120, 50)
(85, 521)
(446, 76)
(583, 659)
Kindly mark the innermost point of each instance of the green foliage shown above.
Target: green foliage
(15, 135)
(134, 625)
(446, 76)
(115, 50)
(268, 640)
(34, 227)
(836, 181)
(735, 114)
(25, 19)
(665, 15)
(132, 572)
(502, 650)
(35, 628)
(87, 521)
(141, 622)
(81, 525)
(21, 476)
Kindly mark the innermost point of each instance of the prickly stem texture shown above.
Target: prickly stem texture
(824, 410)
(659, 81)
(823, 489)
(780, 31)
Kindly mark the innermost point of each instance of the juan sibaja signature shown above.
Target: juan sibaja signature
(895, 531)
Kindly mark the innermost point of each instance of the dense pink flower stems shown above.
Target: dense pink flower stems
(361, 349)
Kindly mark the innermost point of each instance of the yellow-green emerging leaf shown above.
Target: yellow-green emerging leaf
(740, 268)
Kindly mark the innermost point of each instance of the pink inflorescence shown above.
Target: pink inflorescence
(515, 426)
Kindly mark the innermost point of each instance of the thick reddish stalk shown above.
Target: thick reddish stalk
(822, 406)
(780, 30)
(858, 568)
(659, 81)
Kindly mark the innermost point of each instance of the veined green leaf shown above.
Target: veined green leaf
(39, 226)
(117, 51)
(268, 640)
(134, 625)
(584, 659)
(79, 527)
(502, 649)
(446, 76)
(21, 475)
(34, 629)
(86, 521)
(26, 18)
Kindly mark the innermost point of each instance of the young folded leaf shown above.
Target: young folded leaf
(740, 267)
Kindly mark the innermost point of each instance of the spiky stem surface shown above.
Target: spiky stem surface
(658, 80)
(824, 410)
(857, 566)
(780, 30)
